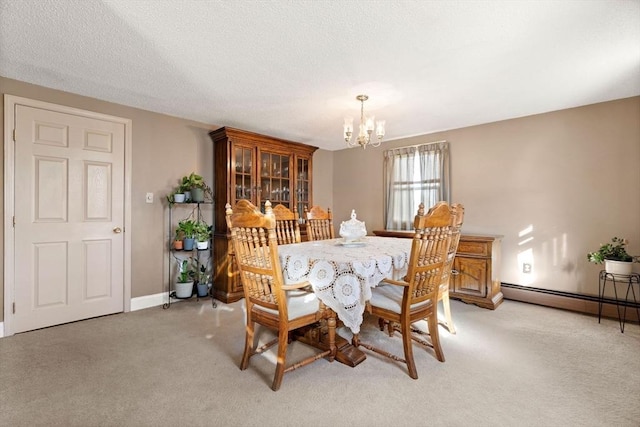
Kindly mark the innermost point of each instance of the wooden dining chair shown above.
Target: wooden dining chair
(269, 302)
(287, 224)
(443, 295)
(319, 223)
(400, 303)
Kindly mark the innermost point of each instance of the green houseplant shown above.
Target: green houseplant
(614, 256)
(612, 251)
(176, 196)
(202, 279)
(188, 229)
(197, 187)
(184, 281)
(202, 234)
(191, 188)
(178, 240)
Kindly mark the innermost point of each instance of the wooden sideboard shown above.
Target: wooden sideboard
(475, 276)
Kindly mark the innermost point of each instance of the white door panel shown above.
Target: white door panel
(69, 198)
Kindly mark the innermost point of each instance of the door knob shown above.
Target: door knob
(117, 230)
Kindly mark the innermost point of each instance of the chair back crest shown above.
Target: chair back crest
(256, 253)
(287, 224)
(319, 223)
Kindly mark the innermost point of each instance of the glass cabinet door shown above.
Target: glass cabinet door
(243, 173)
(275, 179)
(303, 185)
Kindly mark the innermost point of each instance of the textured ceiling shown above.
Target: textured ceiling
(292, 69)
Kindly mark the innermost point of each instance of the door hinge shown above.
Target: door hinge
(14, 221)
(14, 134)
(14, 308)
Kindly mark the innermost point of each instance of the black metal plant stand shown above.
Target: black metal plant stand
(172, 251)
(630, 280)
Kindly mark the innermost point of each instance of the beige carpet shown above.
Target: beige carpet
(520, 365)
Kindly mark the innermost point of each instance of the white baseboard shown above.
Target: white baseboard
(147, 301)
(1, 329)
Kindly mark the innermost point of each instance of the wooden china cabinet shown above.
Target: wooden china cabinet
(257, 168)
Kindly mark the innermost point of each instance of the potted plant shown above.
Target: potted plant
(614, 256)
(202, 234)
(202, 277)
(176, 196)
(188, 229)
(196, 186)
(178, 240)
(185, 188)
(184, 282)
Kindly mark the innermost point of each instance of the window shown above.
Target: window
(414, 175)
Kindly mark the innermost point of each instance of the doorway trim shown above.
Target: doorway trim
(10, 102)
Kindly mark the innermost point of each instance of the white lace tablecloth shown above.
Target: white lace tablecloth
(341, 275)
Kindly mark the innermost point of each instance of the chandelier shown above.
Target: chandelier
(366, 128)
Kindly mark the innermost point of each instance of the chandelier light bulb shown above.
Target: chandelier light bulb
(380, 128)
(348, 128)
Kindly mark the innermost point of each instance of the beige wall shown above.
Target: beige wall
(323, 179)
(573, 176)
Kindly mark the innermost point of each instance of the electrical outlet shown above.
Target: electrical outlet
(526, 268)
(149, 198)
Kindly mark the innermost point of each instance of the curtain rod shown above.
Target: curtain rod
(419, 145)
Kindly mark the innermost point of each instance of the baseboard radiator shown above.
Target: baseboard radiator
(587, 304)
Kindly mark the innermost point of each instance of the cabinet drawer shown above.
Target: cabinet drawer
(473, 248)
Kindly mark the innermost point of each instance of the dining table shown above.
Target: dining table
(342, 273)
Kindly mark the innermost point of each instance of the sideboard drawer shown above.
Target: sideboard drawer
(473, 248)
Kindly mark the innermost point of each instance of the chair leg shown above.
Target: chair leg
(433, 333)
(282, 358)
(408, 349)
(447, 312)
(248, 345)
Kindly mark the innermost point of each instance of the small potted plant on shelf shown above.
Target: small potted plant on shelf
(202, 278)
(176, 196)
(188, 229)
(614, 256)
(184, 282)
(178, 240)
(202, 234)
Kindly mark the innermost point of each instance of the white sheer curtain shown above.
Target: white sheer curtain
(414, 175)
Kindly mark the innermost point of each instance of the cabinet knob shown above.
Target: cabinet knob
(117, 230)
(454, 272)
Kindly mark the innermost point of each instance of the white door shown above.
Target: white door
(69, 217)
